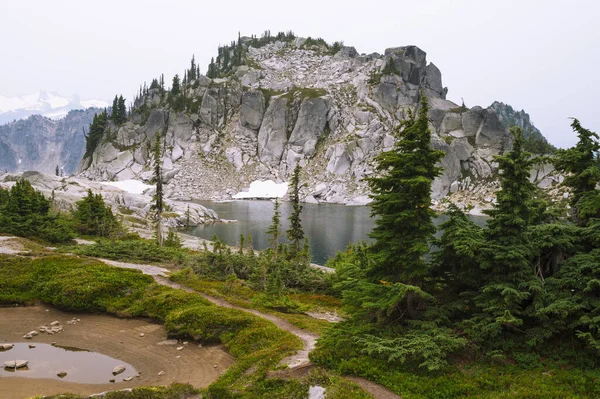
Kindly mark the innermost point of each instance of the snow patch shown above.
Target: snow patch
(263, 189)
(130, 186)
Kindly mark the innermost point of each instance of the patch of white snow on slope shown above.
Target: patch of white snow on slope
(263, 189)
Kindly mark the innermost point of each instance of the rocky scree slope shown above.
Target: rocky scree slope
(293, 103)
(39, 143)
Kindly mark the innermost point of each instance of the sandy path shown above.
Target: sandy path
(298, 360)
(118, 338)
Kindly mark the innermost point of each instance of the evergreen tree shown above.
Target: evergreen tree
(175, 88)
(114, 111)
(581, 165)
(122, 111)
(157, 199)
(295, 234)
(93, 217)
(402, 200)
(508, 278)
(57, 171)
(392, 288)
(273, 230)
(97, 128)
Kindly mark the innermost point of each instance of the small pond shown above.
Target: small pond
(46, 361)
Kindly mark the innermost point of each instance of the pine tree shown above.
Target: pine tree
(506, 257)
(57, 171)
(157, 199)
(581, 164)
(96, 132)
(175, 88)
(273, 230)
(122, 111)
(402, 201)
(295, 234)
(114, 113)
(393, 287)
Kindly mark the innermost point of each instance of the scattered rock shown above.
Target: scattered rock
(142, 334)
(180, 348)
(61, 374)
(15, 364)
(31, 346)
(118, 370)
(55, 323)
(111, 380)
(5, 347)
(127, 378)
(161, 373)
(168, 342)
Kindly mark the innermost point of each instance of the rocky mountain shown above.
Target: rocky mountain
(50, 105)
(295, 100)
(39, 143)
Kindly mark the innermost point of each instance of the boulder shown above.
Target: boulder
(433, 80)
(310, 124)
(118, 370)
(272, 136)
(472, 121)
(492, 132)
(252, 109)
(15, 364)
(157, 120)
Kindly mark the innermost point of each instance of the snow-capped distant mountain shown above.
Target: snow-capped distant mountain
(50, 105)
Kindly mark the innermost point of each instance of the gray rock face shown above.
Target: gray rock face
(271, 114)
(39, 143)
(310, 125)
(272, 136)
(252, 109)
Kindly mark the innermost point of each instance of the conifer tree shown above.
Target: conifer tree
(402, 200)
(97, 128)
(175, 88)
(295, 234)
(114, 112)
(157, 199)
(404, 227)
(273, 230)
(581, 164)
(122, 111)
(508, 279)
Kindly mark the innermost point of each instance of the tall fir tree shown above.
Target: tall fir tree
(157, 199)
(175, 87)
(273, 230)
(581, 164)
(295, 233)
(508, 279)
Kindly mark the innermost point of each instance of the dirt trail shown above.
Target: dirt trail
(298, 360)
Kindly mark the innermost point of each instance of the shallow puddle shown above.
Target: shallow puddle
(46, 361)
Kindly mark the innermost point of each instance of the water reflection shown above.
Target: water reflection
(81, 365)
(329, 228)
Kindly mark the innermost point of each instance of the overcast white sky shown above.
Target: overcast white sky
(541, 56)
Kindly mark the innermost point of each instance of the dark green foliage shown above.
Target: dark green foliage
(93, 217)
(25, 212)
(273, 230)
(118, 111)
(267, 38)
(97, 128)
(157, 199)
(295, 233)
(393, 284)
(582, 165)
(175, 86)
(173, 240)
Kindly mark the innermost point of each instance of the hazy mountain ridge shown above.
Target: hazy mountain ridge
(40, 143)
(297, 101)
(50, 105)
